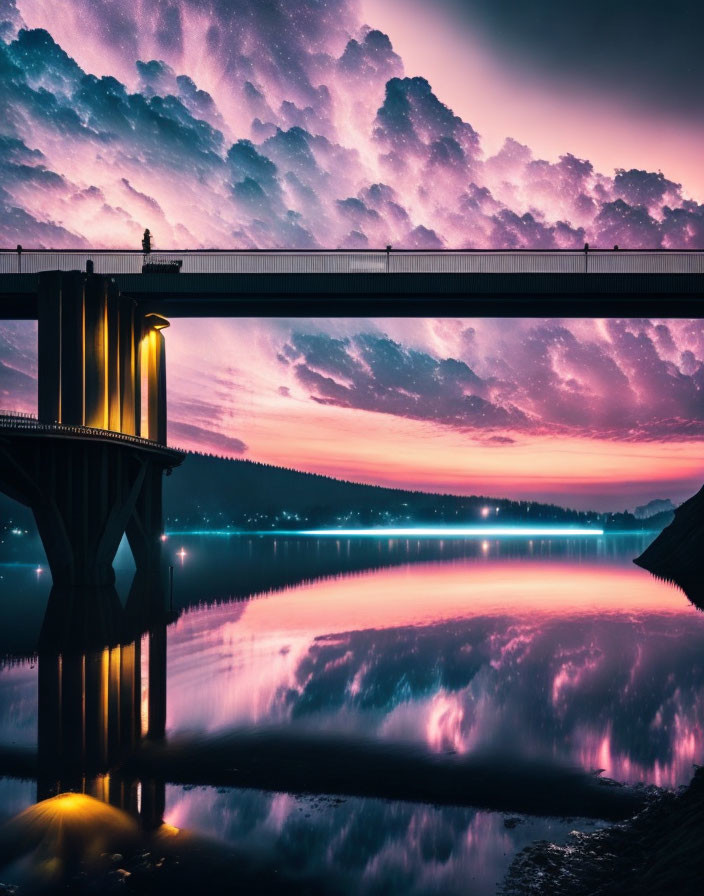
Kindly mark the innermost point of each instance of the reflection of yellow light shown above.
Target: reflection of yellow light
(70, 825)
(105, 693)
(101, 788)
(66, 802)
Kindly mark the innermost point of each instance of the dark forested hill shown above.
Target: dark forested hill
(210, 492)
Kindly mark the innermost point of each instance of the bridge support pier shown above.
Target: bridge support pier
(146, 600)
(85, 493)
(102, 366)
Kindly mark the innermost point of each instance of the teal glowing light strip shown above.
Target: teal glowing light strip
(457, 532)
(410, 532)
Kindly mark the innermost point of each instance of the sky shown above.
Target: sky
(337, 123)
(606, 82)
(584, 413)
(303, 123)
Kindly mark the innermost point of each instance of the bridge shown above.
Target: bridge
(91, 466)
(476, 283)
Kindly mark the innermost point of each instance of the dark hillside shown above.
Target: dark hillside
(211, 492)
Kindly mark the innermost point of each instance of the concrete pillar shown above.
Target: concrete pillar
(49, 346)
(136, 342)
(114, 359)
(128, 365)
(154, 356)
(95, 352)
(89, 355)
(146, 600)
(72, 349)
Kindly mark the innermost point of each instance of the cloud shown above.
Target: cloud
(374, 373)
(296, 128)
(371, 58)
(200, 438)
(645, 188)
(617, 379)
(18, 384)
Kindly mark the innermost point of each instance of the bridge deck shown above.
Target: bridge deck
(398, 283)
(16, 424)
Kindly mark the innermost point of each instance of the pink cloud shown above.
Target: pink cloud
(297, 128)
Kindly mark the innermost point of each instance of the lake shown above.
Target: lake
(512, 658)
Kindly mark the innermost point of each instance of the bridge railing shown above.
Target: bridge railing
(18, 421)
(395, 261)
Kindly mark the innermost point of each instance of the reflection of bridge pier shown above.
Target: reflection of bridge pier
(91, 467)
(94, 709)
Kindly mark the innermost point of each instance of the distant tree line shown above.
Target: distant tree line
(211, 492)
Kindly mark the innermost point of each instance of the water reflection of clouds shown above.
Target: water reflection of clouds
(575, 659)
(622, 691)
(18, 703)
(369, 846)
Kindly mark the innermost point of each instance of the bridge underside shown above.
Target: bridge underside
(389, 295)
(85, 494)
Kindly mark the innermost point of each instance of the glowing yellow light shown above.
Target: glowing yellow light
(156, 321)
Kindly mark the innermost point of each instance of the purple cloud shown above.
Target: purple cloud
(617, 379)
(297, 128)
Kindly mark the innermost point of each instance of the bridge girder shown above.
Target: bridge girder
(422, 294)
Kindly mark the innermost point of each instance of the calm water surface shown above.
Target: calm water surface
(559, 651)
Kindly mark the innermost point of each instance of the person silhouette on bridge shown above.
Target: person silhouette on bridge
(147, 242)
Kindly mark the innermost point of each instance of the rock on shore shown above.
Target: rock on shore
(677, 554)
